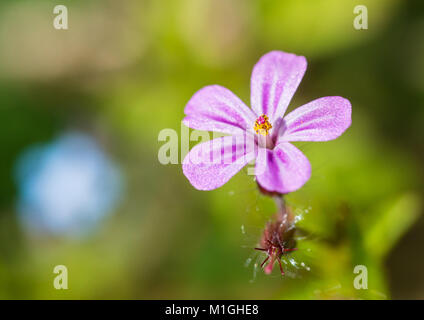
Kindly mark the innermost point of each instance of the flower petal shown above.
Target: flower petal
(284, 169)
(215, 108)
(274, 81)
(319, 120)
(211, 164)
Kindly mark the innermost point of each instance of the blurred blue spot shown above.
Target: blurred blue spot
(66, 187)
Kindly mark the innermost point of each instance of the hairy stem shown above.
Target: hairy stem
(282, 210)
(281, 205)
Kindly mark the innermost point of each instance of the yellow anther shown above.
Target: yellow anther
(262, 125)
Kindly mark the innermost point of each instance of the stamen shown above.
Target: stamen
(262, 125)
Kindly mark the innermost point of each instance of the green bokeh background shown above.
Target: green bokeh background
(124, 71)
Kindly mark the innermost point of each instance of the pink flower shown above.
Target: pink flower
(280, 166)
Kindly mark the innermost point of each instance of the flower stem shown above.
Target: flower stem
(279, 201)
(284, 215)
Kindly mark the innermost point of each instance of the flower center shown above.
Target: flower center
(262, 125)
